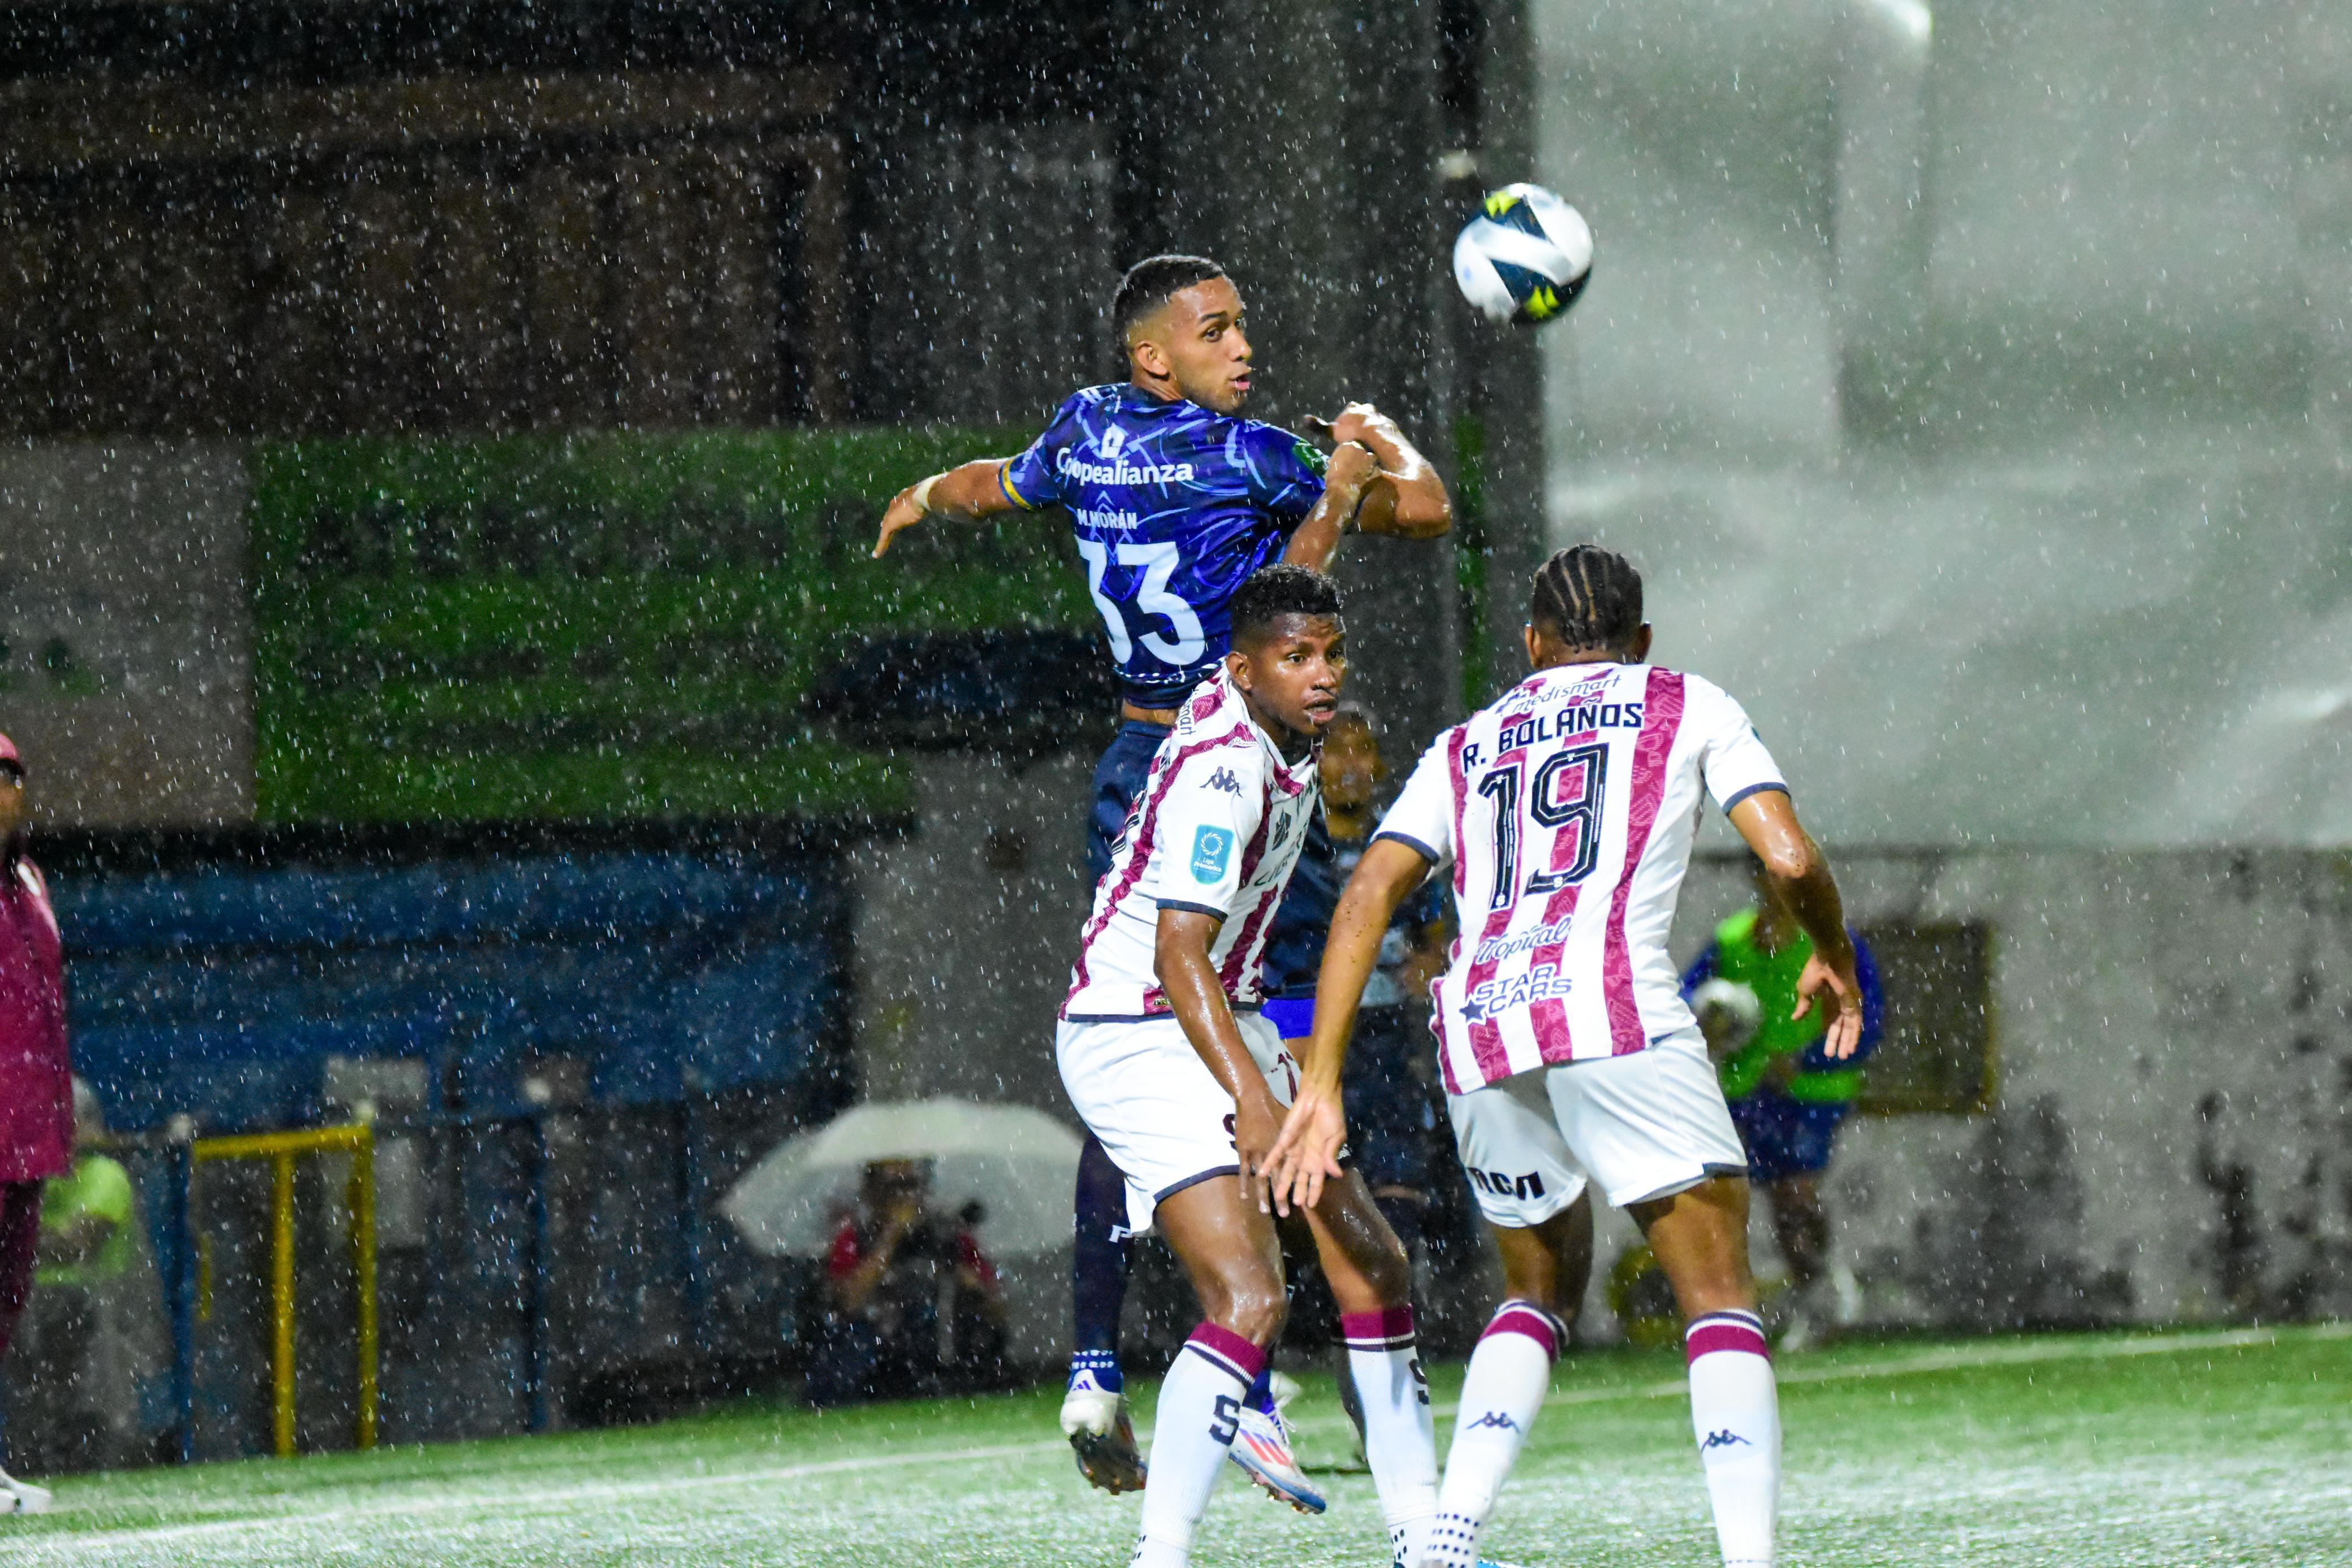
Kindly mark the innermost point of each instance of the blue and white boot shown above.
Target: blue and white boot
(1261, 1445)
(1095, 1419)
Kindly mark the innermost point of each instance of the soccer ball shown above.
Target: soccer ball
(1729, 1013)
(1525, 257)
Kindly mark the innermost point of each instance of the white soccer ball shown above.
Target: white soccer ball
(1729, 1013)
(1525, 257)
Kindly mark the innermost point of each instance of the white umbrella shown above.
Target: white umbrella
(1018, 1161)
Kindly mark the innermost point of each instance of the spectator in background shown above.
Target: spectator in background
(36, 1080)
(976, 1318)
(94, 1327)
(880, 1337)
(1787, 1098)
(1392, 1107)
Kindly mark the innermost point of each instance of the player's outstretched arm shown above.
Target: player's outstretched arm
(960, 495)
(1407, 499)
(1312, 1134)
(1767, 821)
(1180, 963)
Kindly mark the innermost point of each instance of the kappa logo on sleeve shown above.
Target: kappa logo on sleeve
(1212, 850)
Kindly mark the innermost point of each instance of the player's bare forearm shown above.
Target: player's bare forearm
(1180, 963)
(1795, 864)
(1316, 1129)
(1382, 881)
(966, 494)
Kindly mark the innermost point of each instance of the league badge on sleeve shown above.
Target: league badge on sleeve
(1213, 848)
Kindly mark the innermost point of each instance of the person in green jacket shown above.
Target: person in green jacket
(1787, 1098)
(94, 1330)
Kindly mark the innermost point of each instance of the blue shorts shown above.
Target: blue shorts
(1292, 1017)
(1119, 776)
(1785, 1137)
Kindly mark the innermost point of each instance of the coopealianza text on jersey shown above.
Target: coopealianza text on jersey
(1120, 472)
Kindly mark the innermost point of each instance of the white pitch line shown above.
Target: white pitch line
(597, 1492)
(1958, 1359)
(1954, 1360)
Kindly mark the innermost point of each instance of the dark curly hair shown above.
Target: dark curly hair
(1275, 591)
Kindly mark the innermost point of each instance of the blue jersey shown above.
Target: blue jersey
(1174, 507)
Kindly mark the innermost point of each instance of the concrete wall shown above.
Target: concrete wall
(128, 679)
(966, 930)
(1970, 382)
(2172, 1134)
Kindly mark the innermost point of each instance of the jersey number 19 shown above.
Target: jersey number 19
(1568, 791)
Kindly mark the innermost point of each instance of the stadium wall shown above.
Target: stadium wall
(126, 629)
(1972, 382)
(2172, 1107)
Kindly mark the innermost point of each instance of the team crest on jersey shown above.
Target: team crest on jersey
(1502, 994)
(1222, 781)
(1212, 850)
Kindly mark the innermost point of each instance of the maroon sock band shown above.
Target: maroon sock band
(1725, 1330)
(1229, 1350)
(1525, 1318)
(1391, 1328)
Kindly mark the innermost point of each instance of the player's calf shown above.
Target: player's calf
(1509, 1375)
(1700, 1236)
(1736, 1416)
(1371, 1279)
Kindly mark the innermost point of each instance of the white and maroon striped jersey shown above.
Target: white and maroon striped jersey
(1567, 810)
(1217, 829)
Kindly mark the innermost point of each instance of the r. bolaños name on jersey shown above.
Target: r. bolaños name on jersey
(1503, 995)
(1117, 472)
(1583, 718)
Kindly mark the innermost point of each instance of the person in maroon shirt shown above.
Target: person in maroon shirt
(35, 1077)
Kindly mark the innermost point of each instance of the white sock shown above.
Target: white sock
(1400, 1440)
(1191, 1435)
(1509, 1374)
(1736, 1416)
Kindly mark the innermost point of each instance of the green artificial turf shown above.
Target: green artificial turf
(2201, 1448)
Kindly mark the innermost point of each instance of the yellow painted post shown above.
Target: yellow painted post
(364, 1265)
(281, 1297)
(281, 1150)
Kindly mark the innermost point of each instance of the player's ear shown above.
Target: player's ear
(1237, 666)
(1535, 647)
(1149, 356)
(1640, 646)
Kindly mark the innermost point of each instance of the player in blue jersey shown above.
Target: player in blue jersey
(1175, 499)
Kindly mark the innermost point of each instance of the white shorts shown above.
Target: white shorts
(1643, 1125)
(1161, 1115)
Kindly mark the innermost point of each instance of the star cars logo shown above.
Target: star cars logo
(1503, 995)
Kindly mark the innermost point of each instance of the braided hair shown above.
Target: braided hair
(1586, 597)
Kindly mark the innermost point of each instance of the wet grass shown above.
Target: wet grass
(2217, 1447)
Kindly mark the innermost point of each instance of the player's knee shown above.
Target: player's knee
(1255, 1306)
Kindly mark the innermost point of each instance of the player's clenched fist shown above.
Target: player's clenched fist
(1360, 422)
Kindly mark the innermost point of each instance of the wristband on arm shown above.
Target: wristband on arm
(923, 494)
